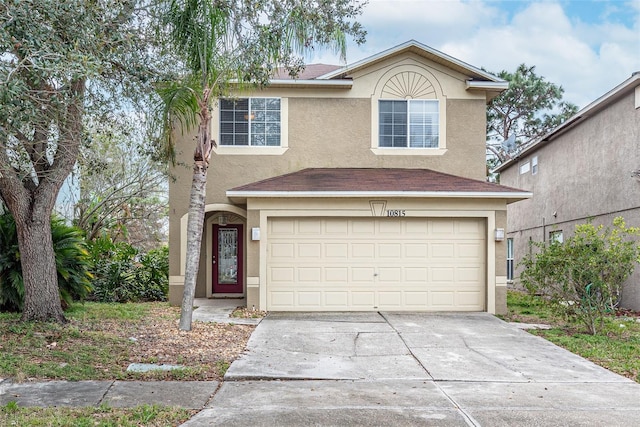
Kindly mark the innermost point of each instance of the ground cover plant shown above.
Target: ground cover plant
(101, 340)
(616, 346)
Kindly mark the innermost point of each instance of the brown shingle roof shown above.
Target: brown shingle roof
(372, 180)
(310, 72)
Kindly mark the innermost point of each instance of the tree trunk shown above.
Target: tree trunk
(196, 217)
(39, 273)
(194, 239)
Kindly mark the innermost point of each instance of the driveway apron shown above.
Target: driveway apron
(334, 369)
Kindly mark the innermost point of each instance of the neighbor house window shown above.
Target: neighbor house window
(524, 168)
(534, 165)
(556, 236)
(250, 122)
(409, 123)
(510, 259)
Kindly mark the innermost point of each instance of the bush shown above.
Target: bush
(73, 264)
(583, 276)
(122, 275)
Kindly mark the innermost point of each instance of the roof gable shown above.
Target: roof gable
(421, 50)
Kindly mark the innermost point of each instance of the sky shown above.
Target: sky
(586, 46)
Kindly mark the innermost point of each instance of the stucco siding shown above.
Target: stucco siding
(584, 174)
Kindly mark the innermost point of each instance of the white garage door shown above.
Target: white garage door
(348, 264)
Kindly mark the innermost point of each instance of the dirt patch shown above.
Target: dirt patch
(208, 349)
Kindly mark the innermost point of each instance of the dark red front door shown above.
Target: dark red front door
(227, 259)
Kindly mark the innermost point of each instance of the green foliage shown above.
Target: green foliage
(122, 275)
(528, 109)
(72, 264)
(583, 276)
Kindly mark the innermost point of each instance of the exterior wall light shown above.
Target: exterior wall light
(499, 234)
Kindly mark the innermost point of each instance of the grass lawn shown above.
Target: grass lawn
(151, 416)
(98, 343)
(616, 347)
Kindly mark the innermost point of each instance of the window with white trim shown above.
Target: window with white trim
(534, 165)
(412, 123)
(250, 122)
(556, 236)
(510, 258)
(525, 167)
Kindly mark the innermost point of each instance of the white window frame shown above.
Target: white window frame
(534, 165)
(253, 149)
(435, 115)
(510, 259)
(525, 167)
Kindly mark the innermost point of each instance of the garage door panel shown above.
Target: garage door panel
(389, 250)
(282, 250)
(282, 227)
(337, 227)
(334, 275)
(442, 299)
(336, 300)
(336, 250)
(390, 299)
(311, 226)
(309, 250)
(376, 264)
(443, 250)
(389, 274)
(416, 274)
(359, 274)
(363, 250)
(363, 299)
(366, 227)
(416, 250)
(390, 227)
(310, 274)
(309, 299)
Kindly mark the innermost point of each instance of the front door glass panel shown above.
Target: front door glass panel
(227, 255)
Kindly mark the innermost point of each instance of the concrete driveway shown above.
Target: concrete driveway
(327, 369)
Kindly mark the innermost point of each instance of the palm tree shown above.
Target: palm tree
(235, 42)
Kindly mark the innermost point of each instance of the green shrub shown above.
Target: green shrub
(152, 274)
(583, 276)
(121, 274)
(73, 264)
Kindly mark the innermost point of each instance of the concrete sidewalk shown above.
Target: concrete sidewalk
(413, 369)
(117, 394)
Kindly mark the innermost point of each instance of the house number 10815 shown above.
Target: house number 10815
(396, 212)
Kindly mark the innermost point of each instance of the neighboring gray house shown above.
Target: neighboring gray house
(583, 170)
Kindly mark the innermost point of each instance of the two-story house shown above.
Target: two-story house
(584, 170)
(351, 189)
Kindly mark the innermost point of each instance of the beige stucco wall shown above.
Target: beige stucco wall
(331, 128)
(584, 174)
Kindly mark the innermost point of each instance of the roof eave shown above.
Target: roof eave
(519, 195)
(329, 84)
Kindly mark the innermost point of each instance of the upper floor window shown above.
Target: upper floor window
(409, 123)
(534, 165)
(250, 122)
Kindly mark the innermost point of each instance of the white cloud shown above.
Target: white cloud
(588, 57)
